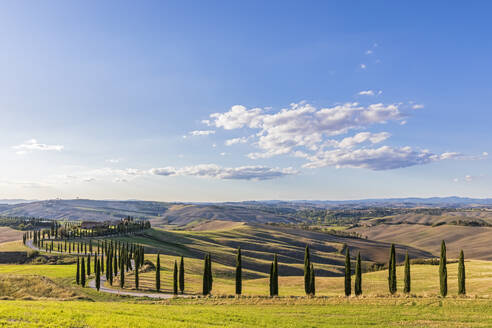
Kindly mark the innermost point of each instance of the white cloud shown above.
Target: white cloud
(363, 66)
(468, 178)
(418, 106)
(383, 158)
(222, 154)
(113, 160)
(34, 145)
(218, 172)
(302, 125)
(234, 141)
(362, 137)
(366, 93)
(202, 132)
(369, 52)
(236, 118)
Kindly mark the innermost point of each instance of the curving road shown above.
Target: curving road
(111, 290)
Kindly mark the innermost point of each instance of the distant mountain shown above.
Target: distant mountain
(15, 201)
(161, 213)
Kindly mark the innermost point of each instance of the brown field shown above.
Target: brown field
(8, 234)
(475, 241)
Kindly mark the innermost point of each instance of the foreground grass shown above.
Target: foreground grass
(334, 312)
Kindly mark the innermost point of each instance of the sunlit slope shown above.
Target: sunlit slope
(475, 241)
(260, 242)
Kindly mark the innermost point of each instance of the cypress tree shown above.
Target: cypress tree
(175, 278)
(102, 261)
(312, 282)
(82, 273)
(271, 280)
(205, 289)
(307, 271)
(275, 275)
(392, 270)
(239, 269)
(115, 263)
(209, 274)
(358, 276)
(181, 276)
(443, 272)
(136, 275)
(158, 273)
(98, 275)
(461, 275)
(89, 265)
(77, 277)
(122, 274)
(407, 287)
(348, 277)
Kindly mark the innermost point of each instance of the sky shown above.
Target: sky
(242, 100)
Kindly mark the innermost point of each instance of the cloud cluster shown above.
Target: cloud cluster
(255, 173)
(228, 173)
(34, 145)
(310, 133)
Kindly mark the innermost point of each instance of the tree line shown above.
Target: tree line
(118, 257)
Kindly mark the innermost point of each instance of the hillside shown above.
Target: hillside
(467, 230)
(259, 242)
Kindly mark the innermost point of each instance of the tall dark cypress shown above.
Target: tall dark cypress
(205, 289)
(175, 278)
(122, 274)
(358, 276)
(209, 275)
(181, 275)
(307, 271)
(98, 275)
(271, 280)
(115, 263)
(275, 275)
(312, 282)
(461, 275)
(443, 271)
(392, 270)
(158, 273)
(89, 265)
(102, 262)
(407, 287)
(348, 274)
(77, 277)
(137, 279)
(239, 269)
(82, 273)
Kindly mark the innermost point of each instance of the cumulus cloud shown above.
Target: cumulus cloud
(363, 66)
(228, 173)
(302, 125)
(318, 135)
(418, 106)
(34, 145)
(383, 158)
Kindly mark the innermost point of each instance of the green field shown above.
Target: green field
(334, 312)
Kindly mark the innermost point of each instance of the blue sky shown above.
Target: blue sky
(229, 100)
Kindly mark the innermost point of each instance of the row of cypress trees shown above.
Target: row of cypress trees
(443, 272)
(84, 268)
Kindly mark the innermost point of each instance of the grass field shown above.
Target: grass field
(335, 312)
